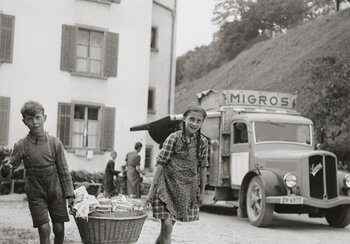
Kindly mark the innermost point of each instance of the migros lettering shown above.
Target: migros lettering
(270, 100)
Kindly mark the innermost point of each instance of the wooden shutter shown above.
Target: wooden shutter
(107, 128)
(148, 157)
(7, 30)
(111, 54)
(65, 123)
(4, 119)
(68, 48)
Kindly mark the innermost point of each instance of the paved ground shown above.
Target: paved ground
(217, 225)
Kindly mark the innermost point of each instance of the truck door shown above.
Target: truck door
(239, 164)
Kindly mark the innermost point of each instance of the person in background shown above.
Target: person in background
(180, 177)
(48, 182)
(121, 181)
(109, 174)
(134, 172)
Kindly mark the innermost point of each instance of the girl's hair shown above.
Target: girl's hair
(199, 109)
(198, 137)
(195, 108)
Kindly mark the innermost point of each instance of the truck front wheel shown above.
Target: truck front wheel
(338, 217)
(259, 212)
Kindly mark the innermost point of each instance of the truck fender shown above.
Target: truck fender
(272, 182)
(343, 190)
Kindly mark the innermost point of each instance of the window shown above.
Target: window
(154, 39)
(282, 132)
(240, 133)
(89, 51)
(148, 157)
(7, 29)
(85, 127)
(151, 100)
(82, 126)
(4, 120)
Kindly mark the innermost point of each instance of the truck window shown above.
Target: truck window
(240, 133)
(271, 131)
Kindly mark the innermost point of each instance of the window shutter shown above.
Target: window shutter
(4, 119)
(68, 47)
(111, 54)
(64, 123)
(107, 128)
(7, 30)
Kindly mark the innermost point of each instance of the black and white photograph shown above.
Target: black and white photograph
(174, 121)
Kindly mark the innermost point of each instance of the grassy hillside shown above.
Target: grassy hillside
(282, 64)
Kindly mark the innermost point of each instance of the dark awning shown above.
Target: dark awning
(160, 129)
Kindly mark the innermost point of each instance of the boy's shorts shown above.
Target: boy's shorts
(45, 196)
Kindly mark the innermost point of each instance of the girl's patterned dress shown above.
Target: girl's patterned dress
(177, 190)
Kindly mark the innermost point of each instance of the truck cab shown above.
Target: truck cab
(263, 158)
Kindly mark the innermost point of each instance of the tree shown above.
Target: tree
(243, 23)
(329, 104)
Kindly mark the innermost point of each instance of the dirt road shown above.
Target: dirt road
(217, 225)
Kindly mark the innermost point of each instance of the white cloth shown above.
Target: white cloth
(84, 203)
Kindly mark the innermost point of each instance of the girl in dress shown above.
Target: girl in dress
(180, 177)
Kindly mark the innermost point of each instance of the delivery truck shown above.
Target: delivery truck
(263, 157)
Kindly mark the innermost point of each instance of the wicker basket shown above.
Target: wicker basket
(114, 227)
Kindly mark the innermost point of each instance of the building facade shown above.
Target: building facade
(89, 62)
(162, 69)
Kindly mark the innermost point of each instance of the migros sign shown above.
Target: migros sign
(259, 98)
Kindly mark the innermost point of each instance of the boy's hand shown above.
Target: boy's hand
(5, 170)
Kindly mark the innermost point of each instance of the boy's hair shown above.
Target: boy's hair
(31, 108)
(138, 145)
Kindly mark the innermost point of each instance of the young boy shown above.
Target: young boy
(109, 174)
(121, 181)
(48, 182)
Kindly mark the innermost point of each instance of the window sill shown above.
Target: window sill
(106, 2)
(100, 1)
(73, 73)
(5, 61)
(151, 111)
(73, 150)
(154, 49)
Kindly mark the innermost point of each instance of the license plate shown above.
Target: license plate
(292, 200)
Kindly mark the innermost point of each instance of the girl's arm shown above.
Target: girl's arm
(203, 178)
(154, 182)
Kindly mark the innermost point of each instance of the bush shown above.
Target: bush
(83, 175)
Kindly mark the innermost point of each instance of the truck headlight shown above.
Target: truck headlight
(347, 180)
(291, 180)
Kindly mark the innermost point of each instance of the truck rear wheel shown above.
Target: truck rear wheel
(259, 212)
(338, 217)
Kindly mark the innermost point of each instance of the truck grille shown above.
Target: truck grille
(323, 177)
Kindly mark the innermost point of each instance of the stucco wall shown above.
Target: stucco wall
(35, 72)
(163, 62)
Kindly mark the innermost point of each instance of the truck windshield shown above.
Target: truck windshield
(282, 132)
